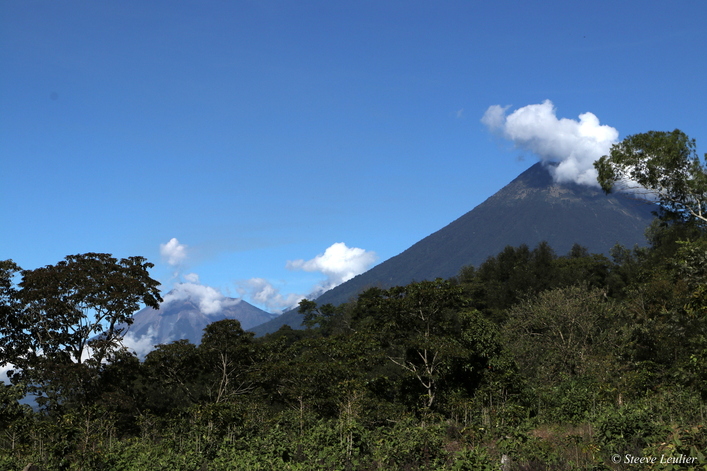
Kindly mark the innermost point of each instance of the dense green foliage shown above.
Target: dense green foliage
(531, 361)
(546, 361)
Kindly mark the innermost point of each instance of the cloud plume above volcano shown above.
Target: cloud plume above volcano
(209, 299)
(573, 145)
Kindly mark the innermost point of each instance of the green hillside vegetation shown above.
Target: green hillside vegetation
(530, 361)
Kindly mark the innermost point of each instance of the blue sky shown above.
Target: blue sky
(259, 134)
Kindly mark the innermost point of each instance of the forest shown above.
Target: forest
(531, 361)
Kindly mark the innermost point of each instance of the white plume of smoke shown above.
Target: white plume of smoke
(173, 252)
(573, 145)
(338, 262)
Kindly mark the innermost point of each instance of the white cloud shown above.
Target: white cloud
(192, 278)
(210, 300)
(339, 263)
(574, 145)
(3, 373)
(495, 117)
(173, 252)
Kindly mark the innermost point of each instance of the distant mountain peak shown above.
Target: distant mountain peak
(184, 318)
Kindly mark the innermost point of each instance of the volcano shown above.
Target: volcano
(530, 209)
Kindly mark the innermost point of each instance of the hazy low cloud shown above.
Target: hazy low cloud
(573, 145)
(339, 263)
(143, 345)
(262, 292)
(210, 300)
(173, 252)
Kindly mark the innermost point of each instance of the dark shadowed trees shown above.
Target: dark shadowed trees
(418, 325)
(228, 354)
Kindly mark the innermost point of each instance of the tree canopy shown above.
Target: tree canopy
(661, 165)
(63, 318)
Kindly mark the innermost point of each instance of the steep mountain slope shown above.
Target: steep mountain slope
(183, 319)
(530, 209)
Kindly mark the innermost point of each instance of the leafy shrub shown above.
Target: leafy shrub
(474, 459)
(627, 429)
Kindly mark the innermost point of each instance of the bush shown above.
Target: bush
(628, 429)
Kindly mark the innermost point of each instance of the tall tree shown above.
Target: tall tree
(228, 355)
(661, 165)
(561, 332)
(174, 376)
(8, 297)
(419, 324)
(64, 325)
